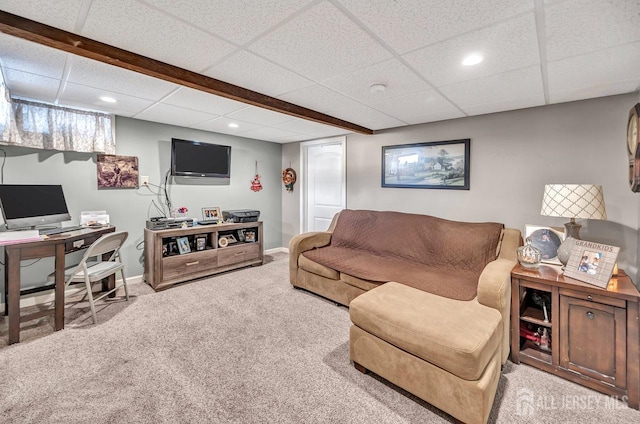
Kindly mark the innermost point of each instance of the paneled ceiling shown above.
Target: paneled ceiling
(326, 54)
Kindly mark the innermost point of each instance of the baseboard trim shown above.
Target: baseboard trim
(277, 250)
(48, 295)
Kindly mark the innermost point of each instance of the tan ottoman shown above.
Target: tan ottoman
(446, 352)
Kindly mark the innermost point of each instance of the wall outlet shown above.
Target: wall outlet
(144, 180)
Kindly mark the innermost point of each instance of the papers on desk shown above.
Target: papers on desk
(94, 218)
(11, 237)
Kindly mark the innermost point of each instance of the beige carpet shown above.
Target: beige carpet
(243, 347)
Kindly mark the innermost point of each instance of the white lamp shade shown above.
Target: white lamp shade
(584, 201)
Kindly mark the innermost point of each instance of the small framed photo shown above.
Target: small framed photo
(240, 235)
(201, 243)
(231, 238)
(592, 262)
(211, 213)
(249, 236)
(547, 240)
(183, 245)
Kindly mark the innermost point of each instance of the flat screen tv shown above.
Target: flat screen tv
(196, 159)
(29, 205)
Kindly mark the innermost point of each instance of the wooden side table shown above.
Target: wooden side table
(594, 334)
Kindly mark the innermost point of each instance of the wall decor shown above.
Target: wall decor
(592, 262)
(547, 240)
(117, 171)
(256, 185)
(289, 178)
(439, 164)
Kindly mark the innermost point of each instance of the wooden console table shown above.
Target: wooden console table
(58, 246)
(594, 332)
(165, 266)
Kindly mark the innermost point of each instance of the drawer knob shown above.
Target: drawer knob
(589, 298)
(590, 315)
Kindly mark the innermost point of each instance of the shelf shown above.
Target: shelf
(534, 316)
(532, 351)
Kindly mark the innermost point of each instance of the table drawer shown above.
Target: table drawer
(590, 297)
(191, 263)
(237, 254)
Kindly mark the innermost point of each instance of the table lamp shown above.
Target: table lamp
(583, 201)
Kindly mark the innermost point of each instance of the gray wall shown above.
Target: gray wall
(130, 208)
(513, 155)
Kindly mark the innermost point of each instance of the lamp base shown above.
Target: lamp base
(571, 234)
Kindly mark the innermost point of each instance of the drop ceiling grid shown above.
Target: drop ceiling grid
(59, 14)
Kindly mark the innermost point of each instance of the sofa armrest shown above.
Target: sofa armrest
(494, 291)
(302, 243)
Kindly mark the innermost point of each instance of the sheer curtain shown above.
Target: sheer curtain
(43, 126)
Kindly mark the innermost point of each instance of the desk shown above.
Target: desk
(58, 246)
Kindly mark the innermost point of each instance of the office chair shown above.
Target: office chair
(92, 271)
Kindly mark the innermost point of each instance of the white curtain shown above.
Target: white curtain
(42, 126)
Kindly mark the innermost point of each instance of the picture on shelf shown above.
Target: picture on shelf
(201, 243)
(241, 235)
(183, 245)
(547, 240)
(249, 236)
(211, 213)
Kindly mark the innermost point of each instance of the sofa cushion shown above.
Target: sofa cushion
(459, 337)
(359, 282)
(316, 268)
(460, 284)
(422, 239)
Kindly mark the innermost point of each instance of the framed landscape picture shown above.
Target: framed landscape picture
(439, 164)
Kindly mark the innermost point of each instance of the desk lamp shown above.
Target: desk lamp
(584, 201)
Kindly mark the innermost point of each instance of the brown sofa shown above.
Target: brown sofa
(446, 316)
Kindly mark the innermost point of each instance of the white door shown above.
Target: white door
(324, 182)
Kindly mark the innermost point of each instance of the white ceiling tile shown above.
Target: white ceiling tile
(174, 115)
(237, 21)
(31, 86)
(269, 134)
(59, 14)
(89, 97)
(579, 26)
(595, 69)
(505, 46)
(418, 107)
(143, 30)
(521, 83)
(190, 98)
(316, 97)
(399, 80)
(320, 43)
(22, 55)
(260, 116)
(221, 125)
(365, 116)
(240, 69)
(609, 89)
(505, 105)
(303, 126)
(111, 78)
(410, 24)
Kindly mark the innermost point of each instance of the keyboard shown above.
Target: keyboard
(51, 231)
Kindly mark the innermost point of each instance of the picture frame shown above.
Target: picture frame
(240, 235)
(592, 262)
(434, 165)
(212, 212)
(183, 245)
(547, 240)
(201, 243)
(231, 238)
(249, 236)
(116, 171)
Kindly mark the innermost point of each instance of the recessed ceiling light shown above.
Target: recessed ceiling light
(377, 88)
(107, 99)
(233, 125)
(472, 59)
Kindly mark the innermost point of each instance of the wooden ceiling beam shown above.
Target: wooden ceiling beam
(63, 40)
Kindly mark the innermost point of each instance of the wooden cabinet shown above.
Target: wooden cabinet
(593, 333)
(203, 252)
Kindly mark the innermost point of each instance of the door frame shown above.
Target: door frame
(342, 140)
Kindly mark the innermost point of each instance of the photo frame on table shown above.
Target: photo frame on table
(592, 262)
(183, 245)
(249, 236)
(438, 164)
(212, 212)
(547, 240)
(201, 243)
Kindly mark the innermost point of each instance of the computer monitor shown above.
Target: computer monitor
(30, 205)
